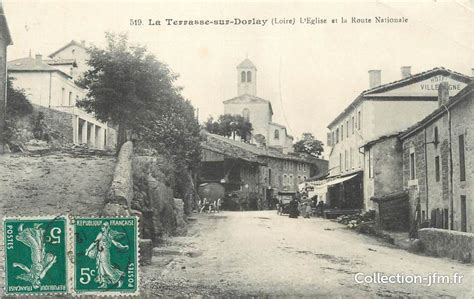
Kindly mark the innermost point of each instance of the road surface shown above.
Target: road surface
(261, 253)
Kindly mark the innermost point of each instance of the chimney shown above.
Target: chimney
(38, 58)
(375, 78)
(83, 43)
(406, 71)
(443, 93)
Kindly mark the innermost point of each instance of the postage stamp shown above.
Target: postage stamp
(106, 255)
(35, 255)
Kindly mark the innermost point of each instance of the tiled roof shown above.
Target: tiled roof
(60, 62)
(30, 64)
(246, 64)
(462, 95)
(4, 26)
(399, 83)
(245, 151)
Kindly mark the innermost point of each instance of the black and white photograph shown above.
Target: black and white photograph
(237, 149)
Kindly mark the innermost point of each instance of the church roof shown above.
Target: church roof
(246, 98)
(246, 64)
(4, 26)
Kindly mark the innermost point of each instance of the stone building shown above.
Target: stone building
(257, 110)
(51, 84)
(380, 111)
(256, 171)
(383, 166)
(5, 41)
(438, 162)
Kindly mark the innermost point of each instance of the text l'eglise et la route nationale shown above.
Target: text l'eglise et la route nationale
(265, 21)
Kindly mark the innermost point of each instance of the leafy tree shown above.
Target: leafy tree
(18, 104)
(308, 144)
(230, 126)
(131, 88)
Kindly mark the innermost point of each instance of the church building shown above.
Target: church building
(257, 110)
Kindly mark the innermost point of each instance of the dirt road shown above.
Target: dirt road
(260, 253)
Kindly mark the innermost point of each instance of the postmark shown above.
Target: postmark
(35, 255)
(106, 256)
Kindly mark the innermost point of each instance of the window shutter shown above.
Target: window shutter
(329, 143)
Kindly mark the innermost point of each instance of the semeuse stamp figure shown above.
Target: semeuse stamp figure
(35, 255)
(106, 255)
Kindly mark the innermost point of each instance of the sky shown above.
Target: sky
(310, 73)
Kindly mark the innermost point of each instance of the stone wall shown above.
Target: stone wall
(163, 215)
(448, 243)
(58, 122)
(120, 195)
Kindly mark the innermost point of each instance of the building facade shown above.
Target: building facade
(71, 59)
(255, 171)
(438, 162)
(257, 110)
(5, 41)
(383, 110)
(383, 167)
(49, 86)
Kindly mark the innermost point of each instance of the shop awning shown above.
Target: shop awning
(340, 180)
(322, 187)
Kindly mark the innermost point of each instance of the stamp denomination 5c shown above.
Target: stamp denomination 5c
(106, 255)
(35, 255)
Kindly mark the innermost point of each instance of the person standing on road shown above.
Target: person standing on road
(293, 208)
(218, 205)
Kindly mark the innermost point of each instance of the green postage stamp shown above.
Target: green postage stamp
(35, 255)
(106, 255)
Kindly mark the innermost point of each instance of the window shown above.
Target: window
(332, 138)
(291, 180)
(340, 162)
(345, 160)
(246, 113)
(437, 168)
(70, 98)
(337, 135)
(63, 97)
(358, 120)
(435, 136)
(462, 165)
(269, 176)
(351, 158)
(285, 180)
(371, 164)
(352, 124)
(276, 135)
(342, 132)
(347, 128)
(249, 76)
(242, 77)
(412, 166)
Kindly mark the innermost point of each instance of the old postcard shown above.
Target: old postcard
(237, 148)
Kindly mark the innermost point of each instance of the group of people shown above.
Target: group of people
(304, 207)
(207, 206)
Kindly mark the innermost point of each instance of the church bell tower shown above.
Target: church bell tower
(246, 78)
